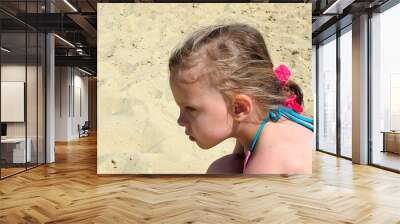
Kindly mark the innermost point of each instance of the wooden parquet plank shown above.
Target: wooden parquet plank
(70, 191)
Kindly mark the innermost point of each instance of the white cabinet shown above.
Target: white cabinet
(18, 149)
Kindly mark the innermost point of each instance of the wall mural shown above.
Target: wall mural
(137, 114)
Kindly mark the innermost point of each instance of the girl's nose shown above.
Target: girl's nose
(181, 120)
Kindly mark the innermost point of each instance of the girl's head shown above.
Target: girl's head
(218, 74)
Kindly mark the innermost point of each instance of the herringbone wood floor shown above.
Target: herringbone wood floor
(70, 191)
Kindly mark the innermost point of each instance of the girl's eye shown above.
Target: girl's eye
(190, 109)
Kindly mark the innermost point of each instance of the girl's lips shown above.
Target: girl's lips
(190, 137)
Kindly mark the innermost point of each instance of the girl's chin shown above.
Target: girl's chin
(200, 144)
(204, 146)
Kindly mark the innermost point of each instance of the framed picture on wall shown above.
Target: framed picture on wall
(12, 101)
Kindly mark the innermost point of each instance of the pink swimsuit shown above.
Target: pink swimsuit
(246, 159)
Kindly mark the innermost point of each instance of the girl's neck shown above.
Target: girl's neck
(246, 140)
(246, 132)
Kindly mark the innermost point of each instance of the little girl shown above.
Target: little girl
(223, 81)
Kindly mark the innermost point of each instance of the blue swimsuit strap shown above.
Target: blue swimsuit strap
(275, 115)
(306, 122)
(253, 143)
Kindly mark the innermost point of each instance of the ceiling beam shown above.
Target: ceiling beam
(84, 61)
(337, 7)
(86, 26)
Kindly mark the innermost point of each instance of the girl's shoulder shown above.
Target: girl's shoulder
(283, 147)
(285, 131)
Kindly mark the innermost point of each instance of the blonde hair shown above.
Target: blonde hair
(238, 59)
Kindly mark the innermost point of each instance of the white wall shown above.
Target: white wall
(81, 89)
(62, 81)
(70, 84)
(13, 72)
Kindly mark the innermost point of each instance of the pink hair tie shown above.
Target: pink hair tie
(291, 102)
(282, 73)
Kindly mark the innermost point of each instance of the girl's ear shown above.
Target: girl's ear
(242, 107)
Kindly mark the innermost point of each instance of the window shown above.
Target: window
(327, 95)
(346, 92)
(385, 88)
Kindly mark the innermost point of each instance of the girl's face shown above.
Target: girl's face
(203, 111)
